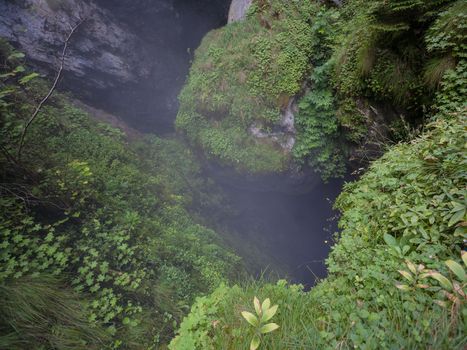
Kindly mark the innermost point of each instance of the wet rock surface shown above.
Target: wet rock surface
(103, 53)
(128, 57)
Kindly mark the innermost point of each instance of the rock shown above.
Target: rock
(129, 58)
(377, 118)
(284, 133)
(102, 54)
(238, 10)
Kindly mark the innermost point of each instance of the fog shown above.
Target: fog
(290, 234)
(170, 30)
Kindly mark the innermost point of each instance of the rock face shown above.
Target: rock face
(284, 133)
(129, 57)
(238, 10)
(102, 54)
(378, 118)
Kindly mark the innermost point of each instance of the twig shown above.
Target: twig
(54, 85)
(8, 155)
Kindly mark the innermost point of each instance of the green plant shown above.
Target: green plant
(409, 206)
(103, 217)
(453, 289)
(416, 276)
(264, 312)
(41, 312)
(317, 128)
(243, 75)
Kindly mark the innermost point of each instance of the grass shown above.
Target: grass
(41, 312)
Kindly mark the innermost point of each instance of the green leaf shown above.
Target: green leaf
(250, 318)
(19, 69)
(390, 240)
(411, 266)
(15, 55)
(441, 303)
(445, 283)
(266, 304)
(269, 313)
(257, 306)
(270, 327)
(457, 269)
(255, 342)
(403, 287)
(28, 78)
(464, 257)
(456, 217)
(406, 274)
(6, 75)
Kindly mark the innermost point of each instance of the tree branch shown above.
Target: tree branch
(73, 29)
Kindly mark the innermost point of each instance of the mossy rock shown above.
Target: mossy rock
(244, 75)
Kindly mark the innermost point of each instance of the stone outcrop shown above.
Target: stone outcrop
(102, 54)
(238, 10)
(284, 133)
(129, 57)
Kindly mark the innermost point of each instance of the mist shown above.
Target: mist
(136, 74)
(281, 231)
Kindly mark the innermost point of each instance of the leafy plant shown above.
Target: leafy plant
(416, 276)
(407, 207)
(317, 128)
(264, 312)
(244, 75)
(453, 288)
(100, 214)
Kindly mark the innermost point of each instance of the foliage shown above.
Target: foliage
(264, 312)
(42, 310)
(244, 75)
(395, 54)
(100, 234)
(317, 128)
(215, 322)
(108, 219)
(409, 206)
(454, 290)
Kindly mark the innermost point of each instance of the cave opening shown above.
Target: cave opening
(169, 31)
(276, 228)
(153, 42)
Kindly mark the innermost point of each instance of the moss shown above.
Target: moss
(245, 74)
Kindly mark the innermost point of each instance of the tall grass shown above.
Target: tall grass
(42, 313)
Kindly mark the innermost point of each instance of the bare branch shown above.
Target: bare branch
(9, 157)
(52, 89)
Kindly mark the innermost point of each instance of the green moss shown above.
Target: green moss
(244, 74)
